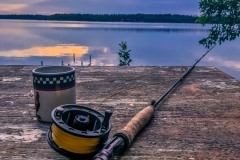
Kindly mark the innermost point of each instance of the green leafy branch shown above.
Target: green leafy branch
(224, 16)
(124, 55)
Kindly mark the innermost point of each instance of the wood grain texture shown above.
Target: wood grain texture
(200, 119)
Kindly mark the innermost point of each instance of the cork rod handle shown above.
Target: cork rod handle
(137, 123)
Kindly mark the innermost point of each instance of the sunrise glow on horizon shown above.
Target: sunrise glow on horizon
(48, 7)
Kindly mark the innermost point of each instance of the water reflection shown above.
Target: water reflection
(163, 30)
(56, 51)
(153, 44)
(80, 24)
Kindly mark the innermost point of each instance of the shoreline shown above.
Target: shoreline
(146, 18)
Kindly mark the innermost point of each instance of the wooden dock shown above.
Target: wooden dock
(200, 119)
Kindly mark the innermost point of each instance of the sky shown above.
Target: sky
(185, 7)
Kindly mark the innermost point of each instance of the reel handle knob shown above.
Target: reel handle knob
(59, 111)
(105, 123)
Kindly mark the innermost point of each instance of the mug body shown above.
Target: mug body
(53, 86)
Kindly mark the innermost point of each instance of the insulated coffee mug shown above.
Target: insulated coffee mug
(53, 86)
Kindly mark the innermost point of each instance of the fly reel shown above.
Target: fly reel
(78, 131)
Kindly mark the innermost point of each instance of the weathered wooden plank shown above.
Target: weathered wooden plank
(200, 119)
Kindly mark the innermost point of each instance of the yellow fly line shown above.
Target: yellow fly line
(131, 88)
(72, 143)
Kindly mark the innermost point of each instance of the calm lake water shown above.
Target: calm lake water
(152, 44)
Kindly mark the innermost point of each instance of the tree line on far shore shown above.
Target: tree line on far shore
(163, 18)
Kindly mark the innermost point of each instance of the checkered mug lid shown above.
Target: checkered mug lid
(52, 78)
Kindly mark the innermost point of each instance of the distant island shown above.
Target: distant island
(151, 18)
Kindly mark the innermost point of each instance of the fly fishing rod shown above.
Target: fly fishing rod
(123, 138)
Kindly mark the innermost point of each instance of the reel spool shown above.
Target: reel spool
(78, 131)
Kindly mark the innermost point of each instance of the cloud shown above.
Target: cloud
(12, 8)
(16, 6)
